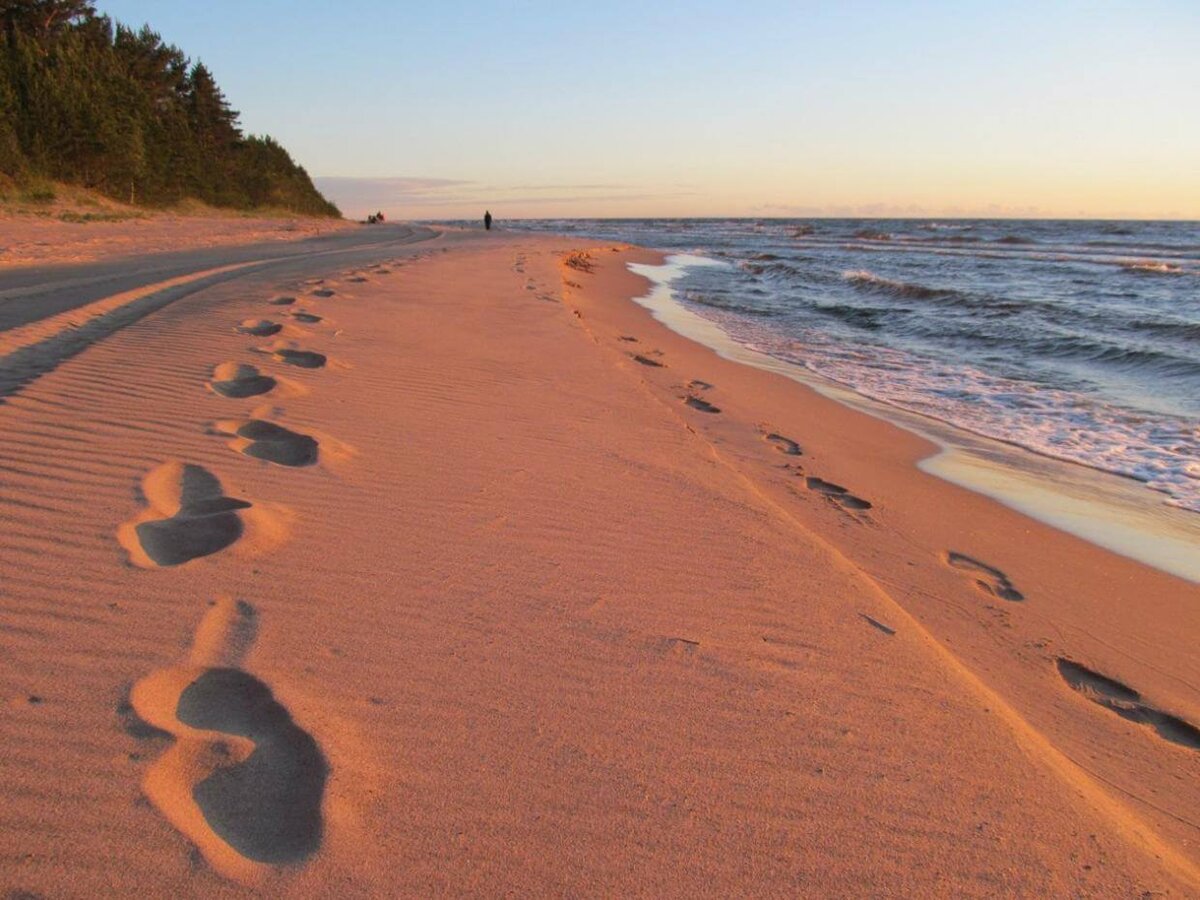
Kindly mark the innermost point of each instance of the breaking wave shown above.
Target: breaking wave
(869, 281)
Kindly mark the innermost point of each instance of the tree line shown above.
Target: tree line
(90, 102)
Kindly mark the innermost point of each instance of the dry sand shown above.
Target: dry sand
(44, 240)
(471, 578)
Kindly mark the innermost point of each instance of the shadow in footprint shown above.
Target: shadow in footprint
(268, 807)
(701, 404)
(1127, 703)
(323, 292)
(133, 724)
(783, 444)
(259, 327)
(875, 623)
(647, 361)
(307, 318)
(836, 493)
(282, 301)
(305, 359)
(242, 780)
(993, 581)
(188, 517)
(239, 381)
(271, 442)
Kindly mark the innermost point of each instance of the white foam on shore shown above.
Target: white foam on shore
(1113, 512)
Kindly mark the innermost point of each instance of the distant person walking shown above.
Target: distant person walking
(487, 220)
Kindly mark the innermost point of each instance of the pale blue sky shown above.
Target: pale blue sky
(718, 108)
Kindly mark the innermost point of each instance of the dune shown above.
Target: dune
(502, 587)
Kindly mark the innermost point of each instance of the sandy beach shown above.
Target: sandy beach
(69, 237)
(444, 569)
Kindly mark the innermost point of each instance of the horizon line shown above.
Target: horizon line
(908, 218)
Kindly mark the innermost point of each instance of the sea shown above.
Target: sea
(1076, 340)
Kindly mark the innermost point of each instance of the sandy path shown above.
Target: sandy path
(29, 294)
(528, 623)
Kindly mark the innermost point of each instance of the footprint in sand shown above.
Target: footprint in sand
(879, 626)
(647, 361)
(242, 781)
(784, 445)
(835, 493)
(701, 404)
(306, 317)
(324, 292)
(357, 279)
(237, 381)
(187, 516)
(259, 327)
(282, 301)
(1127, 703)
(268, 441)
(988, 579)
(304, 359)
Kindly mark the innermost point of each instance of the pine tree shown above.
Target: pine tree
(88, 102)
(43, 19)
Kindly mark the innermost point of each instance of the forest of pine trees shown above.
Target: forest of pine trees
(92, 103)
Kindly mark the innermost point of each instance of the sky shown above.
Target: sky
(552, 108)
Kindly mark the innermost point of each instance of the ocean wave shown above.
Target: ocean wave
(946, 226)
(1150, 267)
(1189, 331)
(728, 302)
(1015, 239)
(869, 318)
(775, 267)
(869, 281)
(1161, 363)
(871, 234)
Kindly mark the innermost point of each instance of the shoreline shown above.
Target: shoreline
(1095, 607)
(1113, 511)
(547, 598)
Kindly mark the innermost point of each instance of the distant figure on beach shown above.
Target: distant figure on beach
(379, 217)
(487, 220)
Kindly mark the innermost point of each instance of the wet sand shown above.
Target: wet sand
(471, 577)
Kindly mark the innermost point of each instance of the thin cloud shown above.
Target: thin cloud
(401, 182)
(569, 187)
(404, 195)
(499, 197)
(356, 193)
